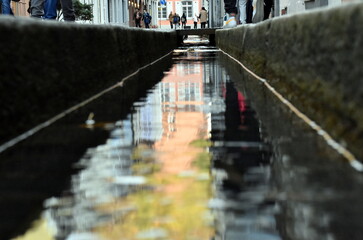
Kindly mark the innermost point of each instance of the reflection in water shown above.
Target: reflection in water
(317, 192)
(241, 165)
(150, 180)
(189, 161)
(157, 176)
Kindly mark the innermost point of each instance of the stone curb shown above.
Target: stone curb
(314, 59)
(46, 67)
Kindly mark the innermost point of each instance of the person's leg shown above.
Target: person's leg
(6, 8)
(37, 8)
(258, 17)
(242, 7)
(68, 11)
(231, 10)
(249, 11)
(50, 9)
(230, 6)
(267, 9)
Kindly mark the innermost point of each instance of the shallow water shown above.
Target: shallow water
(207, 153)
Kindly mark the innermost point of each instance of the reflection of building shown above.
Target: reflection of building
(183, 87)
(183, 118)
(147, 120)
(105, 175)
(168, 119)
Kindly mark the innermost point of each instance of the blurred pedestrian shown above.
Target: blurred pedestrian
(171, 15)
(183, 20)
(203, 17)
(249, 11)
(195, 19)
(146, 17)
(176, 20)
(50, 10)
(263, 10)
(267, 7)
(6, 7)
(231, 12)
(242, 7)
(68, 10)
(137, 18)
(36, 8)
(245, 10)
(47, 9)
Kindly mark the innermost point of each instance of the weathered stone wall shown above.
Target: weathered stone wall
(314, 59)
(47, 67)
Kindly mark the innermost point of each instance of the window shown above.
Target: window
(188, 8)
(161, 11)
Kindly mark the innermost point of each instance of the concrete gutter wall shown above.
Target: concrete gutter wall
(314, 59)
(46, 67)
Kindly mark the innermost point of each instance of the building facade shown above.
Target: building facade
(281, 7)
(117, 12)
(121, 12)
(189, 7)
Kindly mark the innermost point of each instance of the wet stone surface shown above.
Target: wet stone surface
(206, 153)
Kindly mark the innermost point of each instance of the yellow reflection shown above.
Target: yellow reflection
(174, 209)
(39, 231)
(173, 205)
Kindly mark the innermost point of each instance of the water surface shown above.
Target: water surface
(206, 153)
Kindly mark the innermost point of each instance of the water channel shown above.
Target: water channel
(206, 153)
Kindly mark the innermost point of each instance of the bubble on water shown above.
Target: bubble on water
(216, 203)
(152, 233)
(83, 236)
(130, 180)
